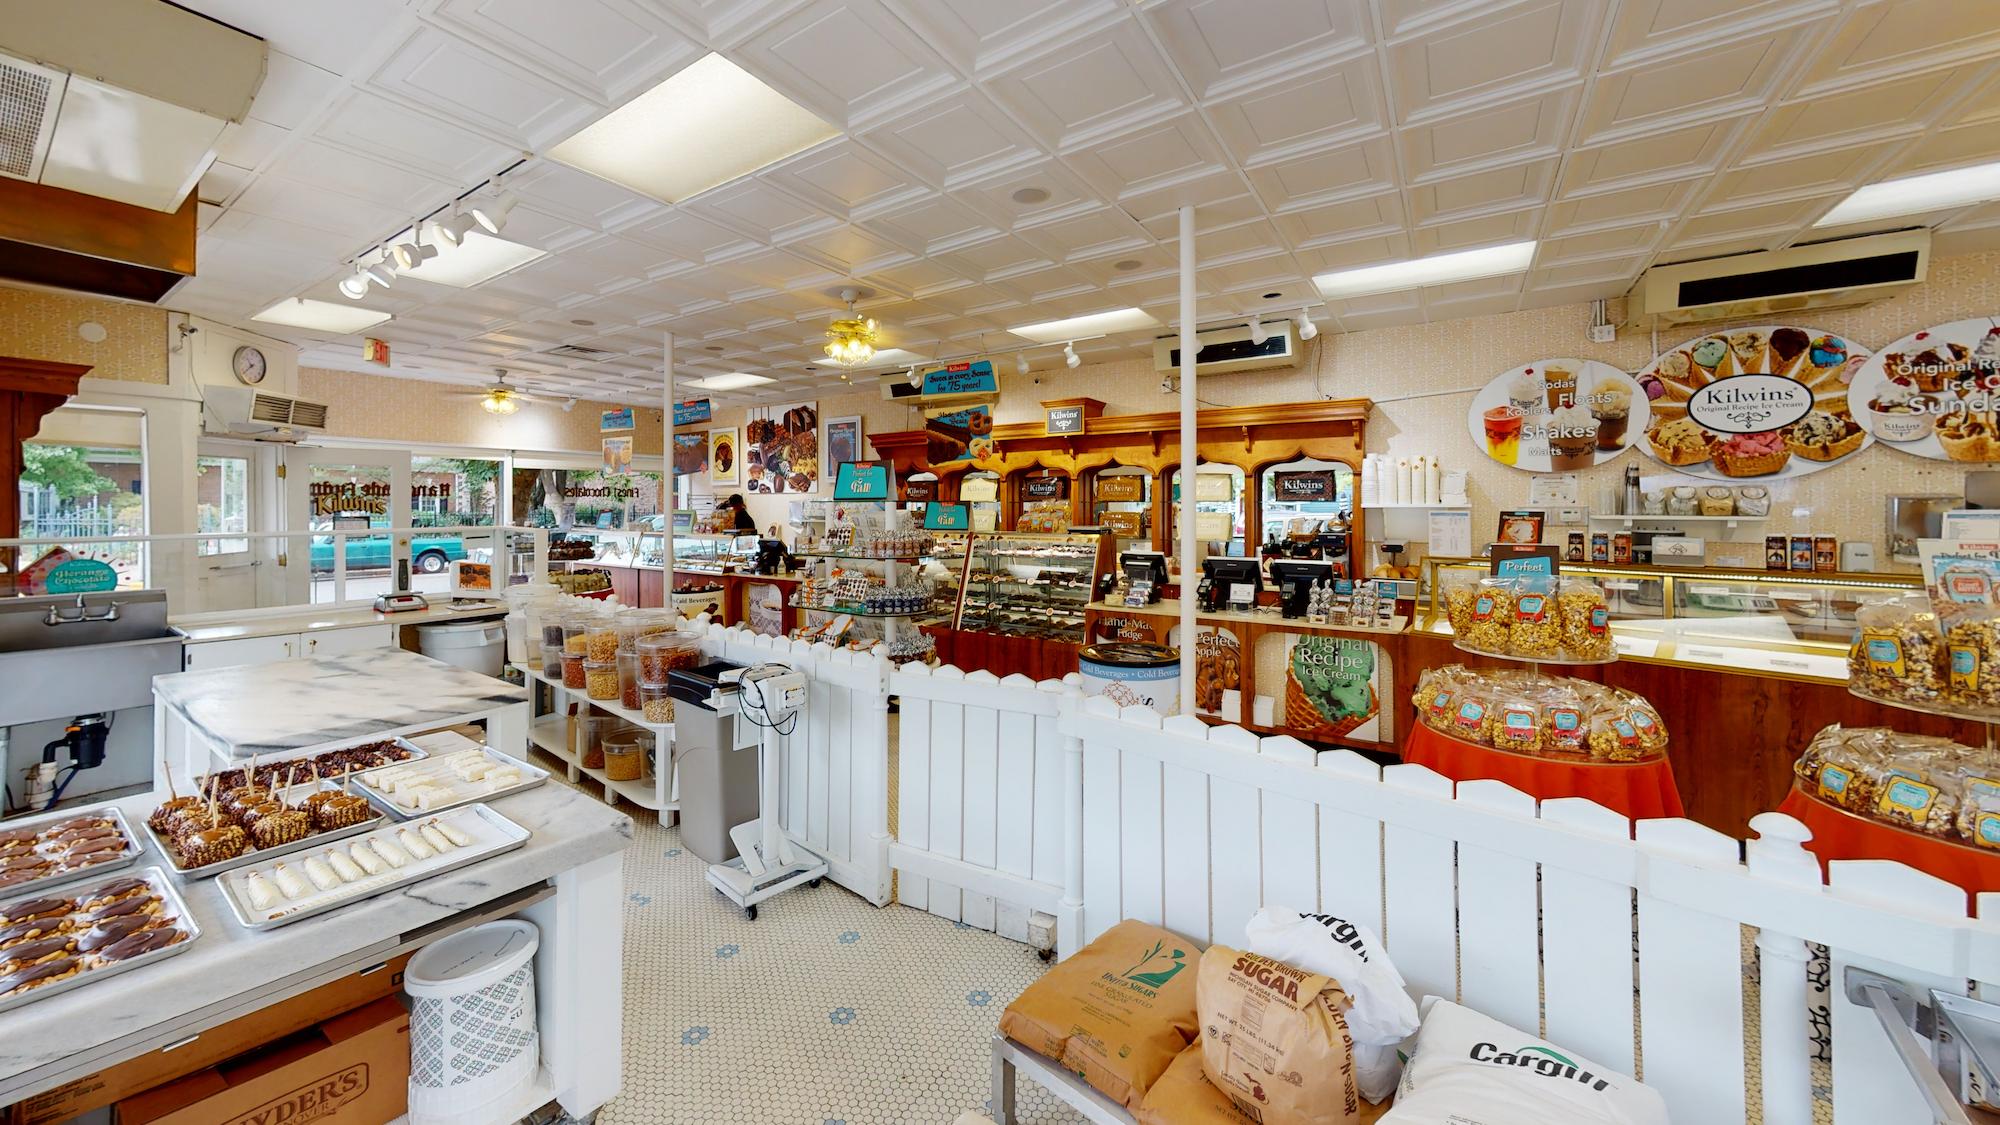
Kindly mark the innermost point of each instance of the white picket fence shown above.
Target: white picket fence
(1622, 941)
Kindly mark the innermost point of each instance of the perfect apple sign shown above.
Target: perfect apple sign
(1750, 404)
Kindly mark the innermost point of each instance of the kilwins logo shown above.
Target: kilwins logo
(315, 1101)
(1750, 404)
(1538, 1061)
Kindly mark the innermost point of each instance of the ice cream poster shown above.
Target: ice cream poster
(1767, 401)
(1218, 664)
(1934, 393)
(1326, 689)
(1558, 415)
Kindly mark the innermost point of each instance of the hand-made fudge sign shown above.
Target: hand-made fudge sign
(1935, 393)
(1557, 415)
(1765, 401)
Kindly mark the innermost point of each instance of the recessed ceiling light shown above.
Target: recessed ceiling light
(1273, 296)
(1913, 195)
(1465, 265)
(584, 323)
(1030, 195)
(734, 381)
(709, 124)
(479, 257)
(713, 348)
(1083, 327)
(321, 316)
(1127, 264)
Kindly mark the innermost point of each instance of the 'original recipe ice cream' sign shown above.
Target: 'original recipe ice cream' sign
(1557, 415)
(1935, 393)
(1325, 688)
(1767, 401)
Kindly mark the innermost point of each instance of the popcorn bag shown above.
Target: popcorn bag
(1116, 1013)
(1274, 1039)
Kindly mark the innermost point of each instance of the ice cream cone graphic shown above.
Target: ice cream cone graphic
(1329, 689)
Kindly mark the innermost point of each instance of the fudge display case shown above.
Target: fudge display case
(1025, 584)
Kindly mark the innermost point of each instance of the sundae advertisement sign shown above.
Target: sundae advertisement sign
(1766, 401)
(1935, 393)
(1558, 415)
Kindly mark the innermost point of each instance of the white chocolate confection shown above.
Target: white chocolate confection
(414, 844)
(435, 838)
(366, 857)
(262, 896)
(321, 874)
(390, 853)
(453, 834)
(344, 867)
(288, 881)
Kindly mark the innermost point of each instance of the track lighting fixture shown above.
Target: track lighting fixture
(454, 227)
(1307, 329)
(492, 212)
(1070, 357)
(355, 286)
(382, 272)
(409, 255)
(1258, 334)
(914, 379)
(1020, 363)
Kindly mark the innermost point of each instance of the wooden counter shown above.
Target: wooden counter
(641, 584)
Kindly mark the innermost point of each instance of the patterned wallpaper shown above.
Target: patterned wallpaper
(41, 325)
(381, 406)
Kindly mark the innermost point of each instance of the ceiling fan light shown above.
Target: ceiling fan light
(497, 402)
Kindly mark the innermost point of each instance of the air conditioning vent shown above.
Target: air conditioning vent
(578, 351)
(1824, 275)
(242, 412)
(271, 408)
(311, 414)
(1220, 351)
(29, 95)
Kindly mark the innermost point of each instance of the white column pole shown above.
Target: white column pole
(673, 482)
(1190, 561)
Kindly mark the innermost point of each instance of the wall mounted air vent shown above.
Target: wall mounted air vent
(1824, 275)
(1220, 351)
(579, 351)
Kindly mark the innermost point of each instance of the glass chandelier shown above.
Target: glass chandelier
(850, 340)
(499, 401)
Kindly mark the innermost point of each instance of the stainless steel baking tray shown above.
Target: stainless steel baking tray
(305, 789)
(464, 792)
(491, 835)
(175, 906)
(36, 823)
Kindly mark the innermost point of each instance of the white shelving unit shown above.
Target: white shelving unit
(1416, 507)
(550, 733)
(1630, 521)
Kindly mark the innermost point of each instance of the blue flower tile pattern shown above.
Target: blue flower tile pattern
(979, 998)
(643, 900)
(850, 937)
(841, 1017)
(727, 951)
(694, 1035)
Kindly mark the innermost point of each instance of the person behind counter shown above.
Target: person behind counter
(739, 513)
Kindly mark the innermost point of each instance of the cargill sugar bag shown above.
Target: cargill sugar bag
(1382, 1015)
(1470, 1069)
(1274, 1040)
(1185, 1096)
(1116, 1012)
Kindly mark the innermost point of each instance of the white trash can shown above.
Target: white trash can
(473, 1039)
(478, 645)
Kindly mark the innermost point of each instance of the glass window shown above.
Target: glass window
(449, 492)
(70, 490)
(351, 498)
(580, 504)
(222, 502)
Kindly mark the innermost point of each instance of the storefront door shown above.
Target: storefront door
(352, 490)
(233, 494)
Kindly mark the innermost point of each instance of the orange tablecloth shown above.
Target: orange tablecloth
(1638, 789)
(1839, 834)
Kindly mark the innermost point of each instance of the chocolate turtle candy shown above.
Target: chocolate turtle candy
(113, 930)
(36, 976)
(145, 941)
(36, 908)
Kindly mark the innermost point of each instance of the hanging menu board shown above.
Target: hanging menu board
(1305, 487)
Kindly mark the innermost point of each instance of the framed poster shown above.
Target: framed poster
(686, 413)
(722, 457)
(616, 421)
(691, 453)
(617, 456)
(784, 449)
(947, 517)
(1326, 688)
(1557, 415)
(863, 480)
(843, 440)
(960, 435)
(1519, 527)
(1768, 402)
(1934, 393)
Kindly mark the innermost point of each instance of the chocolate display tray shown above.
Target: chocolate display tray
(361, 784)
(132, 847)
(491, 835)
(173, 861)
(182, 920)
(416, 752)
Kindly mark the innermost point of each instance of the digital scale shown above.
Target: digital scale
(400, 603)
(768, 862)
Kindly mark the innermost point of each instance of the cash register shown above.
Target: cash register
(1145, 573)
(1227, 581)
(1295, 580)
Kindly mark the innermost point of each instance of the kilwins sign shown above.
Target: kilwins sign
(1301, 487)
(1750, 404)
(349, 498)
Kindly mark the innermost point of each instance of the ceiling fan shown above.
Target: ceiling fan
(499, 398)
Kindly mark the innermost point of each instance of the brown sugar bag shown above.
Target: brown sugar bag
(1185, 1096)
(1274, 1039)
(1117, 1012)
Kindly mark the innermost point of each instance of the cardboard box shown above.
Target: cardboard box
(354, 1069)
(212, 1046)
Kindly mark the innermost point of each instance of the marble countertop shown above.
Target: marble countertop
(288, 705)
(228, 962)
(202, 627)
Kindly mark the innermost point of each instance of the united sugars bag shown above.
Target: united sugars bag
(1382, 1015)
(1274, 1040)
(1470, 1069)
(1185, 1096)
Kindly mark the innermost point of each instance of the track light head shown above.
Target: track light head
(913, 377)
(1258, 334)
(409, 255)
(1020, 363)
(1307, 329)
(383, 273)
(492, 212)
(1070, 357)
(454, 227)
(355, 285)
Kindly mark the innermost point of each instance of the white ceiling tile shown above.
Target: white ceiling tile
(849, 250)
(579, 196)
(1617, 242)
(333, 37)
(1169, 152)
(849, 61)
(1502, 52)
(691, 236)
(1341, 222)
(1742, 222)
(1092, 234)
(452, 78)
(959, 138)
(1047, 187)
(1600, 271)
(387, 183)
(1823, 171)
(1671, 154)
(301, 249)
(1207, 216)
(292, 91)
(1468, 234)
(1880, 40)
(1651, 203)
(997, 259)
(1238, 243)
(1882, 110)
(250, 144)
(1716, 82)
(356, 220)
(1650, 29)
(1331, 106)
(614, 51)
(1949, 148)
(1327, 177)
(919, 277)
(761, 210)
(1218, 50)
(1723, 248)
(222, 181)
(843, 179)
(723, 23)
(370, 123)
(1504, 134)
(930, 224)
(1474, 193)
(1109, 83)
(979, 35)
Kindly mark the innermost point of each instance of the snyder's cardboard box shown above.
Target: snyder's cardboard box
(353, 1069)
(210, 1047)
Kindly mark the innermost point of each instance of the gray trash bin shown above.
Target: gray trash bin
(718, 782)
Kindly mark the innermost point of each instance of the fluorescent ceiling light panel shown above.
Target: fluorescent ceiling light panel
(1438, 269)
(1915, 195)
(321, 316)
(734, 381)
(707, 125)
(890, 357)
(128, 147)
(1085, 327)
(479, 257)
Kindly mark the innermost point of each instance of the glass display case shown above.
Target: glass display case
(1023, 584)
(704, 554)
(1796, 624)
(945, 570)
